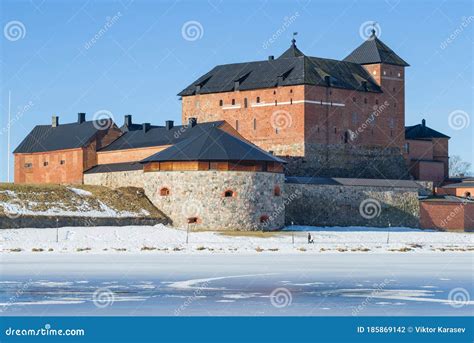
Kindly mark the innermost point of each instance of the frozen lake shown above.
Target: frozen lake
(237, 284)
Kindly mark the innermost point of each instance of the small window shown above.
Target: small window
(365, 100)
(258, 99)
(355, 118)
(263, 218)
(193, 220)
(399, 75)
(291, 101)
(245, 103)
(407, 148)
(277, 191)
(346, 137)
(385, 72)
(229, 193)
(45, 164)
(354, 99)
(291, 90)
(274, 92)
(376, 101)
(276, 130)
(164, 192)
(276, 103)
(394, 89)
(467, 194)
(28, 165)
(62, 162)
(221, 102)
(233, 101)
(254, 123)
(335, 130)
(237, 125)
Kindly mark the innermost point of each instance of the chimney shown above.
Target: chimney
(169, 124)
(146, 127)
(192, 121)
(271, 58)
(127, 120)
(423, 122)
(236, 85)
(81, 117)
(55, 121)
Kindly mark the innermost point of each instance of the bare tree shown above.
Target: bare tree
(458, 167)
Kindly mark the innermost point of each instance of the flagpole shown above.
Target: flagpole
(8, 135)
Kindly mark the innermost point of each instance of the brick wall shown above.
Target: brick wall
(447, 215)
(127, 155)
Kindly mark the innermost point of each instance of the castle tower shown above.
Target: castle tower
(388, 70)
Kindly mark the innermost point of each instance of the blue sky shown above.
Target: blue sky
(141, 59)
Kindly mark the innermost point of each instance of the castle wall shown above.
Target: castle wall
(337, 160)
(201, 195)
(335, 205)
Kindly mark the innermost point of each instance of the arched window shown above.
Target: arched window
(277, 191)
(164, 192)
(229, 193)
(263, 218)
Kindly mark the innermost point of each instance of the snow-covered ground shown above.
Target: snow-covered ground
(162, 239)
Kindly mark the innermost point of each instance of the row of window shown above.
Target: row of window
(257, 101)
(45, 164)
(196, 220)
(229, 193)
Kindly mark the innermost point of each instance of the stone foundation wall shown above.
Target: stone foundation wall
(333, 205)
(345, 160)
(200, 194)
(131, 178)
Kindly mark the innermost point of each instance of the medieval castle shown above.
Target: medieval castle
(257, 140)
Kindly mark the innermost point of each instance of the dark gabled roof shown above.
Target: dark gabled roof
(336, 181)
(291, 68)
(421, 131)
(64, 136)
(213, 144)
(114, 167)
(373, 50)
(156, 136)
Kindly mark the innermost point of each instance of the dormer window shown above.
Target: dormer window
(229, 193)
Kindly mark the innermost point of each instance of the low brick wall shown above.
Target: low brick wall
(336, 205)
(62, 221)
(445, 215)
